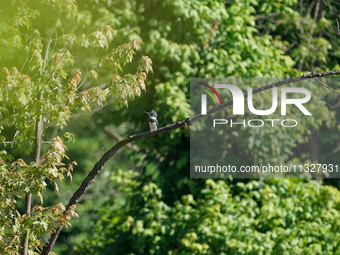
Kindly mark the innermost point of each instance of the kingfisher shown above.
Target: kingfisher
(153, 122)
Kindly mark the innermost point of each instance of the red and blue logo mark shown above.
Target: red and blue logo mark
(238, 99)
(208, 92)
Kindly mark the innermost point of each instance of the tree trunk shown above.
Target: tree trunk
(36, 158)
(36, 153)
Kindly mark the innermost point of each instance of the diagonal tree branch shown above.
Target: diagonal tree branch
(269, 86)
(326, 86)
(105, 158)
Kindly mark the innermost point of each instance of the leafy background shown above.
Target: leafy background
(143, 201)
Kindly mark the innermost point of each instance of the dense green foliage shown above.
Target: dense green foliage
(59, 58)
(273, 217)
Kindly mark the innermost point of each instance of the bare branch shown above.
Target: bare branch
(110, 153)
(116, 136)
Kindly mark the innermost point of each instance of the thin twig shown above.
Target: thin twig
(55, 44)
(22, 68)
(116, 136)
(327, 87)
(84, 78)
(330, 153)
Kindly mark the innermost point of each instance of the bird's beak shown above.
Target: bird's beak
(146, 112)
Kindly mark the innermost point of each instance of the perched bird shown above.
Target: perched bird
(153, 122)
